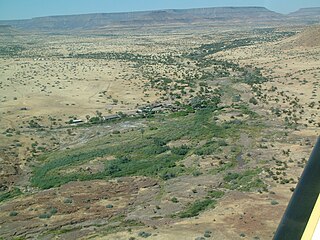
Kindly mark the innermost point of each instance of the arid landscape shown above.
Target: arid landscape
(187, 124)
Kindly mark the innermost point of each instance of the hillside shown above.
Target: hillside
(92, 21)
(306, 12)
(309, 38)
(305, 15)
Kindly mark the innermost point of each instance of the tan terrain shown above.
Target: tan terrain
(219, 170)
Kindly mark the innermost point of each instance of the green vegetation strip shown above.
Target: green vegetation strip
(137, 153)
(11, 194)
(197, 207)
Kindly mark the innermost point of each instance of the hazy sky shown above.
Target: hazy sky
(21, 9)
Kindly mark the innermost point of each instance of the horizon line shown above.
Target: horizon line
(150, 10)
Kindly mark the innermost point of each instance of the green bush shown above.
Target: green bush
(207, 234)
(174, 200)
(53, 211)
(11, 194)
(13, 213)
(215, 194)
(204, 151)
(183, 150)
(253, 101)
(67, 200)
(197, 207)
(45, 215)
(144, 234)
(159, 142)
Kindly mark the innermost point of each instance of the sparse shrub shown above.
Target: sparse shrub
(13, 213)
(253, 101)
(199, 238)
(67, 200)
(167, 176)
(215, 194)
(45, 215)
(222, 143)
(207, 234)
(236, 98)
(196, 173)
(144, 234)
(174, 200)
(53, 211)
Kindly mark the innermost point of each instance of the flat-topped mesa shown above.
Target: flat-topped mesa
(218, 15)
(231, 11)
(97, 20)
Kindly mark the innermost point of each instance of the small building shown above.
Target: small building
(111, 117)
(76, 121)
(157, 109)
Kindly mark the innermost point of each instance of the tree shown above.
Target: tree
(99, 114)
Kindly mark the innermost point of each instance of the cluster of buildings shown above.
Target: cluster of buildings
(142, 111)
